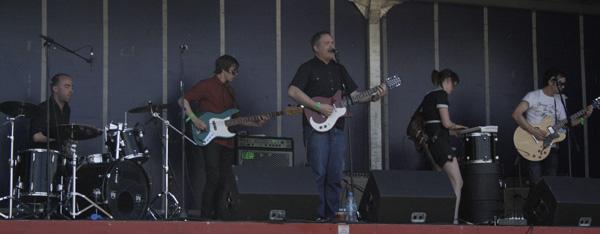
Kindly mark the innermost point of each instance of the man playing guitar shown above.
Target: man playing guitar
(538, 105)
(214, 159)
(323, 76)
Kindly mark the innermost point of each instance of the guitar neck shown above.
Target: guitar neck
(242, 120)
(356, 99)
(564, 122)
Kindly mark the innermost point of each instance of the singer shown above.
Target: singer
(322, 76)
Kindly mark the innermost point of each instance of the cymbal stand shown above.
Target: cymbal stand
(11, 163)
(74, 194)
(165, 193)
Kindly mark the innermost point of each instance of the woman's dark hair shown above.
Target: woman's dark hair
(438, 77)
(224, 62)
(553, 74)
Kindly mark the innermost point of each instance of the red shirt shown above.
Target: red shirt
(212, 95)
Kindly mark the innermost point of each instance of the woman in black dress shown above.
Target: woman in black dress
(438, 126)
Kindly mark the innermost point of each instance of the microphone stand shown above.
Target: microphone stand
(568, 129)
(183, 215)
(50, 41)
(165, 193)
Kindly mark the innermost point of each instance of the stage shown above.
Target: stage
(174, 227)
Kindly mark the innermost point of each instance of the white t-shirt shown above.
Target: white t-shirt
(542, 106)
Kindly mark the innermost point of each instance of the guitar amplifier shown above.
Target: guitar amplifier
(265, 151)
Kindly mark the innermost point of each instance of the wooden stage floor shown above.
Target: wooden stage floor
(175, 227)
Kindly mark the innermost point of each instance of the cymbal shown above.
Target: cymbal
(16, 108)
(78, 131)
(148, 108)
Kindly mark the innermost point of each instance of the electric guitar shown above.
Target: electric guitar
(322, 123)
(218, 124)
(533, 149)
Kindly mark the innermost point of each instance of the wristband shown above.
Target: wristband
(318, 106)
(582, 121)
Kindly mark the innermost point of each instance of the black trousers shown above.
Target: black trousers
(212, 162)
(546, 167)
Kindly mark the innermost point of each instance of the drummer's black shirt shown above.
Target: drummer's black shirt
(57, 117)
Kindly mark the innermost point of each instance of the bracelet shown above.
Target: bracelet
(318, 106)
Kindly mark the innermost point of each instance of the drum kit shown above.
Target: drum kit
(112, 184)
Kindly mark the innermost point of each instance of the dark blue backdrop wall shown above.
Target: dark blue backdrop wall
(137, 59)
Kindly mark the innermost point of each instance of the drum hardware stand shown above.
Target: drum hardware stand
(165, 194)
(74, 194)
(120, 128)
(11, 163)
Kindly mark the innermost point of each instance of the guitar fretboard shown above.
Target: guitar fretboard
(390, 82)
(241, 120)
(560, 124)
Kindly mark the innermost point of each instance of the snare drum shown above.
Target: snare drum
(131, 144)
(38, 174)
(98, 158)
(480, 147)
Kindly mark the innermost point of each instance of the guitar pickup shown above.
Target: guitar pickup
(551, 130)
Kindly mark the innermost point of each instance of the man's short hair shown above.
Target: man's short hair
(56, 78)
(315, 38)
(224, 62)
(553, 74)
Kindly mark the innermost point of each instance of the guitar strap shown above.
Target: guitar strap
(554, 145)
(230, 91)
(555, 110)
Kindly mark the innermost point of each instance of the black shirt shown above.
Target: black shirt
(57, 117)
(432, 102)
(317, 79)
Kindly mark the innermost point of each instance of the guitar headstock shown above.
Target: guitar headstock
(596, 103)
(393, 81)
(293, 110)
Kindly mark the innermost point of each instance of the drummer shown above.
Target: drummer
(62, 88)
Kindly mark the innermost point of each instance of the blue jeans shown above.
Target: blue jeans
(325, 155)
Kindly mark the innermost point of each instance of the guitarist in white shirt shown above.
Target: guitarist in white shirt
(323, 76)
(532, 110)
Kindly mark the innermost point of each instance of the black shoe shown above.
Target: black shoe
(323, 220)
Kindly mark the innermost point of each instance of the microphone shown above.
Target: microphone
(183, 48)
(91, 58)
(334, 50)
(48, 39)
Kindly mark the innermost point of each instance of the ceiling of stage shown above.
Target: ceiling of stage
(568, 6)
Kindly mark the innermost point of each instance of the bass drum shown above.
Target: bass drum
(120, 187)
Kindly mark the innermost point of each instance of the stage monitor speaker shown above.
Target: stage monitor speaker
(408, 197)
(274, 194)
(564, 201)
